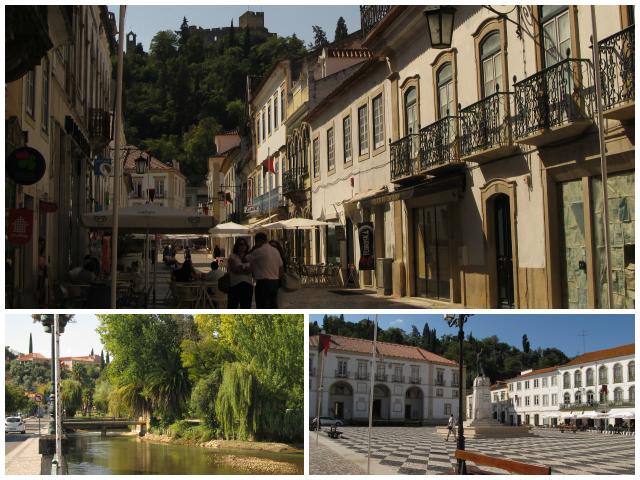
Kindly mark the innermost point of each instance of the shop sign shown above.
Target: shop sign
(20, 226)
(26, 166)
(365, 235)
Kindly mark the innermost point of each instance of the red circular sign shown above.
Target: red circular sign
(25, 166)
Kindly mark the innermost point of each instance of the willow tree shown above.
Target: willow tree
(235, 403)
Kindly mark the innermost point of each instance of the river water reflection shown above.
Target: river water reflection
(95, 455)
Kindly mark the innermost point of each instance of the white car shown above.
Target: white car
(327, 421)
(14, 424)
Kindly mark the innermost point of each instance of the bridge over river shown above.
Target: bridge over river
(103, 424)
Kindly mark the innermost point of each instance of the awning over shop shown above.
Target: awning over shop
(261, 222)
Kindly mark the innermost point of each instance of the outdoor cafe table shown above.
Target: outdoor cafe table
(198, 291)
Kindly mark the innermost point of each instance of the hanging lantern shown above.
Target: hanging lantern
(440, 25)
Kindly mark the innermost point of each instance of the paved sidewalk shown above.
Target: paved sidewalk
(327, 458)
(24, 459)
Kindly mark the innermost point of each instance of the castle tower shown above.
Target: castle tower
(131, 41)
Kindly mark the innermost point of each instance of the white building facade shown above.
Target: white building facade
(595, 383)
(411, 384)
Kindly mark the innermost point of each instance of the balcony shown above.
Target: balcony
(99, 127)
(293, 181)
(405, 155)
(397, 378)
(617, 74)
(362, 376)
(371, 15)
(415, 380)
(381, 377)
(439, 146)
(440, 383)
(485, 129)
(341, 374)
(554, 104)
(268, 202)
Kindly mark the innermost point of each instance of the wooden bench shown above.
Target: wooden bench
(334, 432)
(511, 466)
(569, 428)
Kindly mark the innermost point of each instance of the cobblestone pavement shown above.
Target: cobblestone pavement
(310, 296)
(420, 450)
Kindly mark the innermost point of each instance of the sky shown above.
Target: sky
(561, 331)
(77, 340)
(146, 20)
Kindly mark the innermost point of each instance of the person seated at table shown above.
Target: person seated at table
(186, 273)
(214, 274)
(86, 273)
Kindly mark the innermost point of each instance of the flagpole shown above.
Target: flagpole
(371, 385)
(320, 387)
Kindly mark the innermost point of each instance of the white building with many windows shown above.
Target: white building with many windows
(599, 383)
(411, 384)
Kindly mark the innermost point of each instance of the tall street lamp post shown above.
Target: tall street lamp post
(459, 321)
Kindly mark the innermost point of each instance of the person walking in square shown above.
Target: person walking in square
(267, 267)
(452, 427)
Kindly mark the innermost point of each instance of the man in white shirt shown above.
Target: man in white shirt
(267, 268)
(452, 427)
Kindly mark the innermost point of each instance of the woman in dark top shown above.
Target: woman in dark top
(185, 273)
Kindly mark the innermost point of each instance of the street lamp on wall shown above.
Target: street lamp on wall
(141, 165)
(440, 20)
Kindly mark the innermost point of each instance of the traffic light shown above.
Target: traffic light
(47, 322)
(63, 321)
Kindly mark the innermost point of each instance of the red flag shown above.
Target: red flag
(268, 165)
(323, 343)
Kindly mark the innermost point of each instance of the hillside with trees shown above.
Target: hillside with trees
(501, 361)
(181, 93)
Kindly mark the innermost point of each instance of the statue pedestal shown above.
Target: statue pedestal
(482, 424)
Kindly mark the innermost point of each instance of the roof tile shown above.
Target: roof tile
(395, 350)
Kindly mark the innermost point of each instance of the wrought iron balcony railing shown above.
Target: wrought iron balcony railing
(293, 180)
(404, 156)
(99, 126)
(485, 125)
(397, 378)
(415, 380)
(440, 383)
(269, 201)
(342, 374)
(618, 68)
(438, 144)
(362, 376)
(381, 377)
(557, 95)
(370, 16)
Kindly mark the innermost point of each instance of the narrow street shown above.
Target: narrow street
(21, 451)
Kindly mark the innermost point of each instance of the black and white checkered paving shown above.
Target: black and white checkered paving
(421, 450)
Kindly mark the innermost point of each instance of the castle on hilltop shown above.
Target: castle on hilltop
(252, 20)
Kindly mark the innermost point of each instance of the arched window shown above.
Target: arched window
(590, 379)
(631, 372)
(618, 396)
(632, 393)
(445, 91)
(603, 378)
(578, 397)
(577, 379)
(566, 380)
(617, 373)
(567, 398)
(604, 396)
(411, 111)
(491, 64)
(590, 397)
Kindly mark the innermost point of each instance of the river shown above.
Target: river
(91, 454)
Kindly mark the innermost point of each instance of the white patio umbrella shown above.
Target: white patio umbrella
(624, 415)
(229, 229)
(295, 224)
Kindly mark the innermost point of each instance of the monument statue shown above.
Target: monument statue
(479, 362)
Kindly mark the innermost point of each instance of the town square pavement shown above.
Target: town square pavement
(420, 450)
